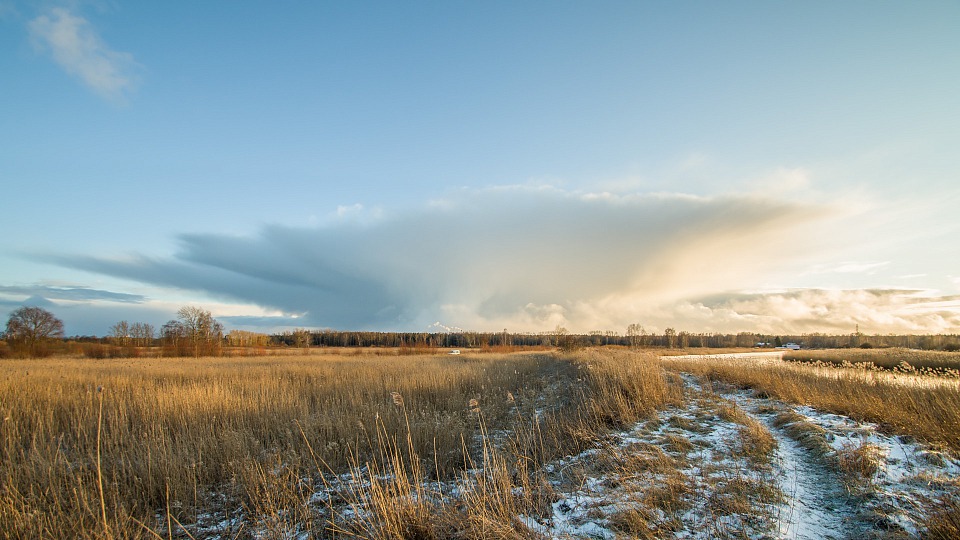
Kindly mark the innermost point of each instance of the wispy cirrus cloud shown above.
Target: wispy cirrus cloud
(74, 294)
(849, 267)
(76, 46)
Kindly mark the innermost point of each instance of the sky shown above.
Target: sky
(770, 167)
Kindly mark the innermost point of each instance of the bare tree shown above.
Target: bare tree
(120, 333)
(30, 328)
(302, 337)
(637, 335)
(201, 329)
(670, 338)
(142, 334)
(559, 332)
(172, 334)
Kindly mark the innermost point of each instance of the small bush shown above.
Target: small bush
(859, 463)
(96, 351)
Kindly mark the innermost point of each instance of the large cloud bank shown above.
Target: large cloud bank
(528, 259)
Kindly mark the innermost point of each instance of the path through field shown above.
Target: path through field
(814, 501)
(726, 463)
(704, 471)
(815, 504)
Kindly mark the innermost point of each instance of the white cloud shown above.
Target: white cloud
(76, 46)
(849, 267)
(783, 181)
(529, 258)
(520, 257)
(835, 311)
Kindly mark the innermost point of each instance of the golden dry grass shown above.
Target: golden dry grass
(189, 425)
(931, 414)
(254, 436)
(934, 362)
(944, 520)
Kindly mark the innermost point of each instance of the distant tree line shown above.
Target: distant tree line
(635, 336)
(36, 332)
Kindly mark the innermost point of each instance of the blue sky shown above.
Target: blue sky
(756, 166)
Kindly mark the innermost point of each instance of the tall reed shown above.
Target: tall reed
(242, 438)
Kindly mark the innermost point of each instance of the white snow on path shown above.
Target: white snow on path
(816, 502)
(713, 477)
(909, 476)
(815, 505)
(809, 512)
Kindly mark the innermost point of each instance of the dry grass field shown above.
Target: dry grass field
(519, 445)
(931, 414)
(101, 448)
(939, 363)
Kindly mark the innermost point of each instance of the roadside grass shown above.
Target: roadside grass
(930, 414)
(250, 442)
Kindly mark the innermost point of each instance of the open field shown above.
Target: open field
(601, 443)
(239, 436)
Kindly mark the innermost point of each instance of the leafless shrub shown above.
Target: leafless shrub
(859, 463)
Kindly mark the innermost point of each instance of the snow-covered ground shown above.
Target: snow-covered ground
(689, 479)
(807, 497)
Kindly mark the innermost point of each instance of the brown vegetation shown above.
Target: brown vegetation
(257, 437)
(931, 414)
(894, 359)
